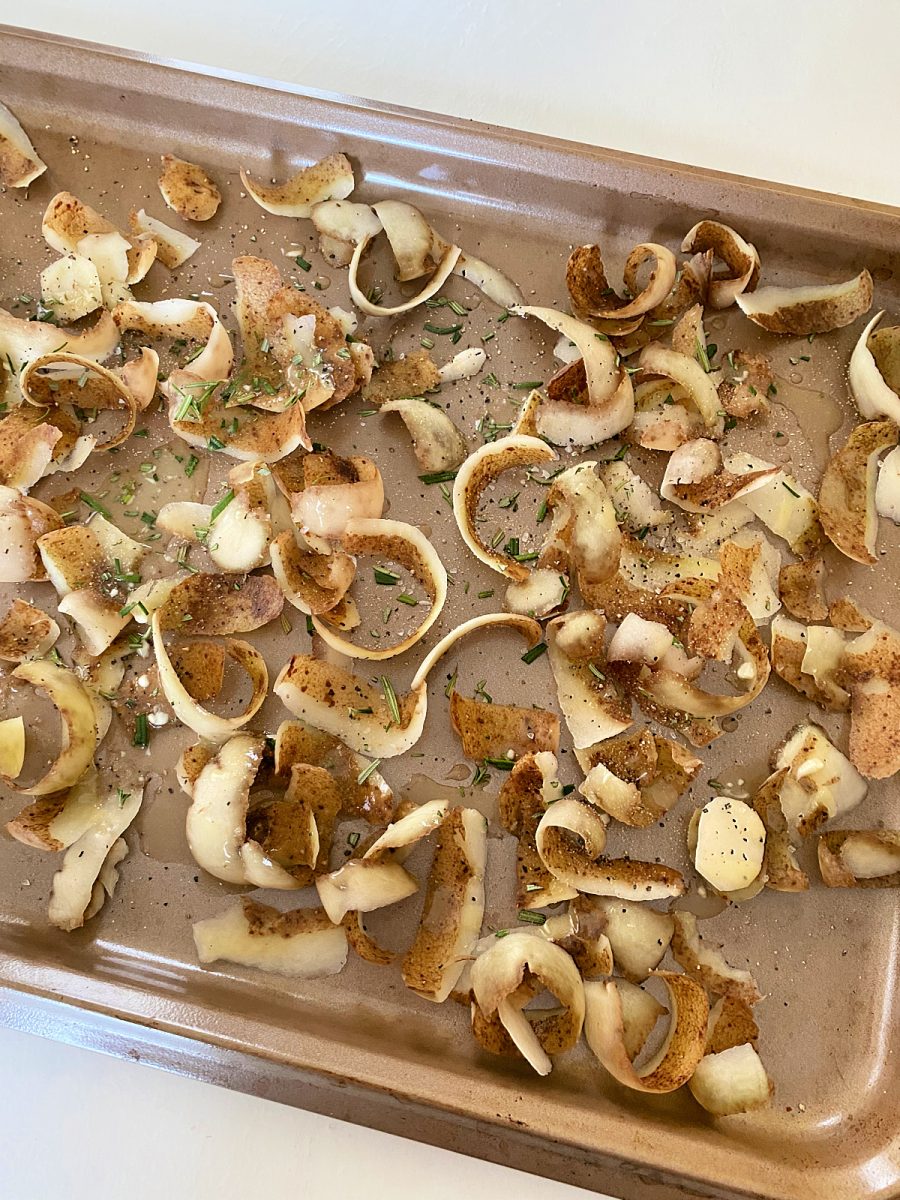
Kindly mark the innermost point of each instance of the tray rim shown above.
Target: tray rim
(503, 133)
(168, 1044)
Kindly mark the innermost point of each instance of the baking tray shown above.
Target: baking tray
(362, 1048)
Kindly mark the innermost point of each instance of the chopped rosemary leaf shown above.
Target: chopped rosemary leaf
(303, 263)
(88, 499)
(451, 683)
(220, 505)
(486, 595)
(353, 839)
(286, 625)
(390, 697)
(405, 598)
(528, 386)
(385, 577)
(491, 379)
(438, 477)
(191, 465)
(504, 316)
(596, 672)
(529, 917)
(541, 514)
(310, 628)
(215, 443)
(790, 489)
(702, 356)
(510, 502)
(368, 770)
(442, 330)
(481, 776)
(502, 764)
(486, 337)
(535, 652)
(426, 343)
(141, 730)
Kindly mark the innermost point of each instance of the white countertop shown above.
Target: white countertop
(802, 93)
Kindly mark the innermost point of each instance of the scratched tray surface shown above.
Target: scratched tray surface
(826, 960)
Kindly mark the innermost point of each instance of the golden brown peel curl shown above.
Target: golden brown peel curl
(526, 791)
(871, 672)
(393, 541)
(707, 965)
(216, 823)
(783, 873)
(378, 879)
(688, 374)
(67, 221)
(187, 189)
(351, 708)
(62, 377)
(478, 472)
(38, 442)
(189, 711)
(79, 727)
(526, 626)
(636, 777)
(329, 179)
(809, 309)
(571, 838)
(217, 604)
(19, 161)
(584, 537)
(591, 294)
(436, 282)
(315, 584)
(592, 707)
(301, 943)
(26, 632)
(93, 568)
(505, 978)
(75, 896)
(325, 492)
(502, 730)
(23, 522)
(866, 858)
(697, 481)
(847, 490)
(682, 1049)
(454, 907)
(801, 588)
(874, 395)
(599, 401)
(437, 444)
(740, 257)
(23, 340)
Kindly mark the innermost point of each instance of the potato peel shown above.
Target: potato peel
(681, 1051)
(329, 179)
(808, 309)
